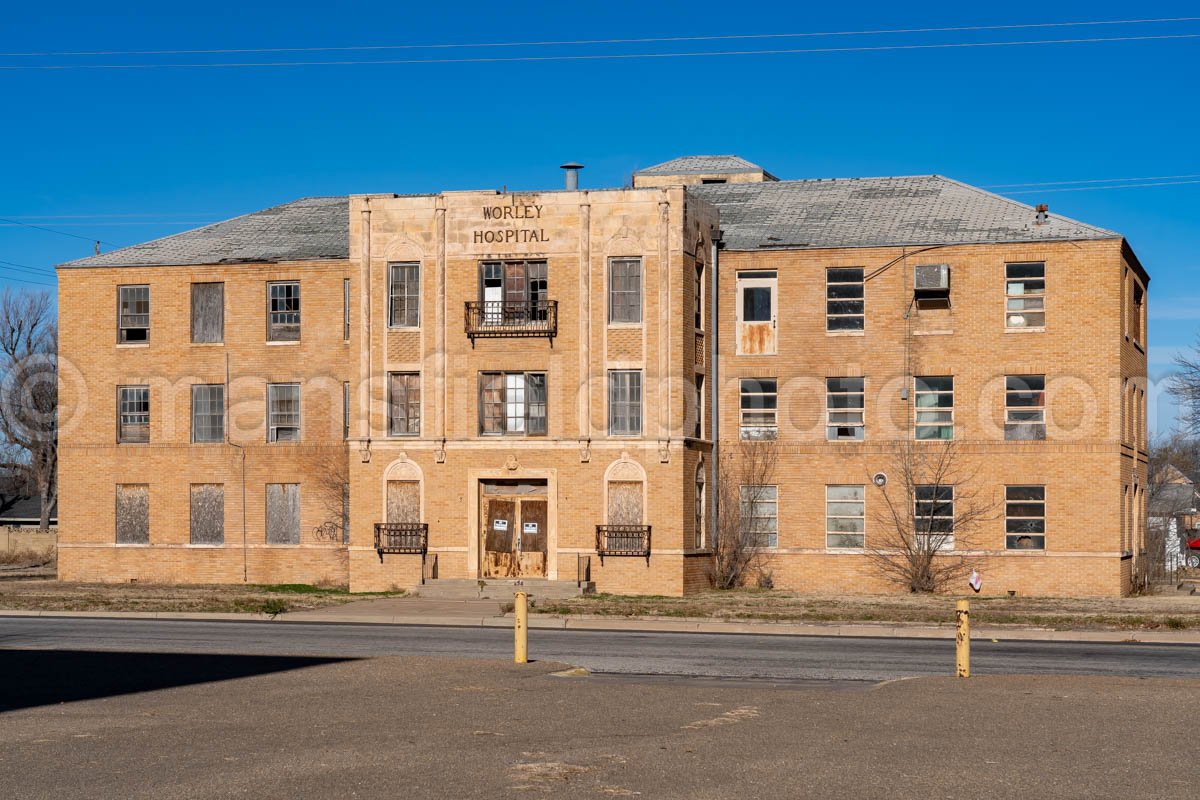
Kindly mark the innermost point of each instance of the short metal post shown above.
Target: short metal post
(962, 638)
(520, 628)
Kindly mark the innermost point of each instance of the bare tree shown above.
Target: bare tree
(746, 515)
(1171, 505)
(1184, 386)
(332, 473)
(29, 391)
(930, 512)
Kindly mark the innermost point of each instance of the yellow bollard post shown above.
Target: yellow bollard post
(520, 628)
(962, 638)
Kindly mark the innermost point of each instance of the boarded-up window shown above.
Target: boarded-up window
(133, 513)
(283, 513)
(208, 312)
(625, 503)
(403, 501)
(208, 513)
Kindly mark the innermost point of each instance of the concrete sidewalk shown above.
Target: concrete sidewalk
(486, 613)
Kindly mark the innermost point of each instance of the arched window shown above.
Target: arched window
(625, 485)
(701, 523)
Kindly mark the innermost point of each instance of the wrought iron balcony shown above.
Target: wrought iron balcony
(493, 319)
(410, 538)
(623, 540)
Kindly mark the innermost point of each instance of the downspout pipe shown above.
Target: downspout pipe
(714, 384)
(242, 450)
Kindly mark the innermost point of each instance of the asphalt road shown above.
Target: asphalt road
(629, 653)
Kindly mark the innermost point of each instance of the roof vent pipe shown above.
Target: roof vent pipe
(572, 175)
(1043, 214)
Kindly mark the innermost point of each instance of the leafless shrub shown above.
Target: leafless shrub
(930, 513)
(332, 482)
(745, 482)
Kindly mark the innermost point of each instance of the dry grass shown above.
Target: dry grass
(1174, 612)
(277, 599)
(27, 558)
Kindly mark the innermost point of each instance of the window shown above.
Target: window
(759, 515)
(931, 286)
(346, 309)
(283, 311)
(933, 517)
(208, 413)
(133, 414)
(1135, 324)
(1025, 517)
(133, 513)
(1025, 295)
(283, 513)
(513, 292)
(845, 516)
(133, 314)
(512, 403)
(404, 404)
(701, 521)
(845, 303)
(404, 296)
(207, 514)
(1025, 407)
(346, 410)
(624, 402)
(758, 408)
(698, 296)
(698, 429)
(208, 312)
(845, 411)
(935, 408)
(625, 290)
(283, 412)
(625, 502)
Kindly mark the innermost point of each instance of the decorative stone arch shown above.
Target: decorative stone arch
(624, 470)
(401, 247)
(625, 242)
(402, 469)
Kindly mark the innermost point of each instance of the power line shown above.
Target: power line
(12, 266)
(1093, 180)
(25, 268)
(597, 56)
(1095, 188)
(60, 233)
(576, 42)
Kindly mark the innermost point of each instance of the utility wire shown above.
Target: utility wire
(1095, 188)
(1092, 180)
(596, 56)
(26, 268)
(576, 42)
(11, 266)
(60, 233)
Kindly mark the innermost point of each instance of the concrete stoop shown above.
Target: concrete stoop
(499, 589)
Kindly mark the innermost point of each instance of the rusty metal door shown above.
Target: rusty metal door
(757, 312)
(514, 536)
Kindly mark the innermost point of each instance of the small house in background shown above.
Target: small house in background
(1173, 512)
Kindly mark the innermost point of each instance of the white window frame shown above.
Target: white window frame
(835, 511)
(840, 417)
(410, 297)
(125, 409)
(1031, 418)
(1013, 522)
(133, 319)
(930, 416)
(758, 422)
(621, 396)
(202, 387)
(1019, 304)
(280, 420)
(839, 287)
(753, 503)
(625, 313)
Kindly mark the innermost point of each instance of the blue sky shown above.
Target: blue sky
(129, 155)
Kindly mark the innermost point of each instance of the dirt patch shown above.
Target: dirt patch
(276, 599)
(1172, 612)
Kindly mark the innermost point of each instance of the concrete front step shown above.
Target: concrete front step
(498, 589)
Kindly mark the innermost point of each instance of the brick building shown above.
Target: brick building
(382, 390)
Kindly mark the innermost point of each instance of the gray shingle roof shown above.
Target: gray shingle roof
(874, 212)
(307, 229)
(700, 165)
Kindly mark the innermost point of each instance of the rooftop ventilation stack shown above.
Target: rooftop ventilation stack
(572, 175)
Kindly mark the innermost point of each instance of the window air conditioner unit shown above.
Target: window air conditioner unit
(931, 278)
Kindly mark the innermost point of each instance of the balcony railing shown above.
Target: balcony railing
(402, 538)
(492, 319)
(623, 540)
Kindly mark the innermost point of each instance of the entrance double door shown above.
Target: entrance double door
(514, 529)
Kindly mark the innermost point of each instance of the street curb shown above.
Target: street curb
(602, 623)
